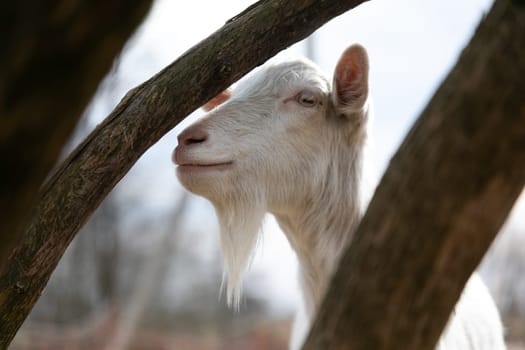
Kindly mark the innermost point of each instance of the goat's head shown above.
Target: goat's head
(270, 145)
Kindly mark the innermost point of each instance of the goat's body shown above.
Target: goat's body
(475, 322)
(290, 144)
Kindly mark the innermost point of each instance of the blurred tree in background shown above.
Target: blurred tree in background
(54, 55)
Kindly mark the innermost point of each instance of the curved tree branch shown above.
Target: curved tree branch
(143, 116)
(440, 204)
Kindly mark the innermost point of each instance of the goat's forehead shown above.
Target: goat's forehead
(273, 79)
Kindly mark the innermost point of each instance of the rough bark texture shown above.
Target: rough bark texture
(54, 54)
(142, 117)
(440, 204)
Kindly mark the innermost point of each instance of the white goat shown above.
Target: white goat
(289, 143)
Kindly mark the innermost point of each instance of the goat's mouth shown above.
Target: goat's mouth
(200, 167)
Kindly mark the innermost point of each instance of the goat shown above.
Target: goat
(288, 142)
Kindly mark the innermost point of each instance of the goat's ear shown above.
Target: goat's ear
(350, 85)
(217, 100)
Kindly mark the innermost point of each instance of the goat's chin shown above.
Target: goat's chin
(208, 182)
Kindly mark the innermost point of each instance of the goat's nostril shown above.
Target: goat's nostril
(192, 137)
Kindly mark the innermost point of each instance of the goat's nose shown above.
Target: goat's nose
(192, 136)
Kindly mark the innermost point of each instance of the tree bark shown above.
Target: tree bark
(53, 56)
(143, 116)
(440, 204)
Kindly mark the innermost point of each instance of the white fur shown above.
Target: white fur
(302, 163)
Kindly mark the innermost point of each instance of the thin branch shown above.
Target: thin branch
(440, 204)
(148, 278)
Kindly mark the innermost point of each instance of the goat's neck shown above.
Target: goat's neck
(322, 226)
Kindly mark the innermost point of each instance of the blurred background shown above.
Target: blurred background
(145, 272)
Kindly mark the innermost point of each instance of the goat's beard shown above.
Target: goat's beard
(240, 218)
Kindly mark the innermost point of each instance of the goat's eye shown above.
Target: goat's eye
(306, 99)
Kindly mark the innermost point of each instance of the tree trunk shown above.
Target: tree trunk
(440, 204)
(53, 56)
(142, 117)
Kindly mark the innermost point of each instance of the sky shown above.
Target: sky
(412, 44)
